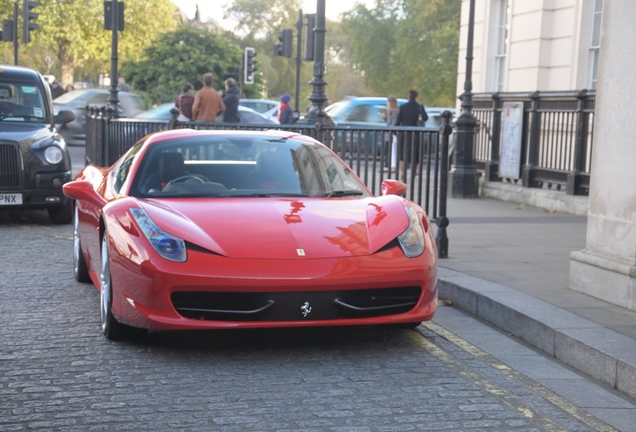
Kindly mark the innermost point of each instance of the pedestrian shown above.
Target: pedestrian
(410, 114)
(392, 111)
(207, 102)
(285, 113)
(56, 89)
(69, 88)
(184, 102)
(122, 85)
(231, 101)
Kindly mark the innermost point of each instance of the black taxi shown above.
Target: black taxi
(34, 159)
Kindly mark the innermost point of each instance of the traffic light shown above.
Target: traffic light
(250, 65)
(27, 16)
(284, 48)
(7, 30)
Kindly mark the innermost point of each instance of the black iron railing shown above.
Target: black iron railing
(555, 131)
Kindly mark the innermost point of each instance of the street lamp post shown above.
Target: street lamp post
(464, 177)
(318, 96)
(113, 99)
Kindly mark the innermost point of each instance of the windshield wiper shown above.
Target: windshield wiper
(341, 193)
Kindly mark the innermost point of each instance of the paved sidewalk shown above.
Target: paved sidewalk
(509, 265)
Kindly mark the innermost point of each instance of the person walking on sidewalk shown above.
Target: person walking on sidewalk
(207, 102)
(285, 113)
(410, 114)
(231, 101)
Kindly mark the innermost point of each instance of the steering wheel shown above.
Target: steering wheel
(187, 177)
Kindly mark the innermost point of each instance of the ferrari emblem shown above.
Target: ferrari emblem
(305, 309)
(300, 252)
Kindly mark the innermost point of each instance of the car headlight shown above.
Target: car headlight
(412, 239)
(53, 155)
(168, 246)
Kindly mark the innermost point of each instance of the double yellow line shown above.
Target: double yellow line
(502, 394)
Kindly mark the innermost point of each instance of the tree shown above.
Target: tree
(73, 31)
(260, 21)
(180, 56)
(403, 44)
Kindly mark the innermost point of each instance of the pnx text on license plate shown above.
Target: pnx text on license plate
(10, 199)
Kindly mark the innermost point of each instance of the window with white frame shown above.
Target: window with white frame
(595, 44)
(501, 52)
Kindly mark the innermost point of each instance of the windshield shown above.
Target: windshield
(243, 166)
(21, 102)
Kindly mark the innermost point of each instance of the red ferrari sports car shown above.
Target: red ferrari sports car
(236, 229)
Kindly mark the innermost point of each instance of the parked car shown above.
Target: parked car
(225, 229)
(247, 116)
(34, 158)
(259, 105)
(130, 104)
(360, 112)
(268, 108)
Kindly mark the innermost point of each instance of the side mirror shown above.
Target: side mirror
(393, 187)
(64, 116)
(83, 190)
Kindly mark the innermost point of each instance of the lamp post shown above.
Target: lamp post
(464, 177)
(318, 97)
(113, 99)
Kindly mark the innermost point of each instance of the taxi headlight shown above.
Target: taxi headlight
(53, 155)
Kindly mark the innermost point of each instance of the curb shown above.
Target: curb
(599, 352)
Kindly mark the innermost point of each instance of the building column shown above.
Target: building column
(606, 268)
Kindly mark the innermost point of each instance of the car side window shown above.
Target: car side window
(359, 113)
(98, 100)
(377, 114)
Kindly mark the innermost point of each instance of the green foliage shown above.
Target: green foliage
(180, 56)
(72, 32)
(403, 44)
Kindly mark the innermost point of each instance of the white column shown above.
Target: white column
(606, 268)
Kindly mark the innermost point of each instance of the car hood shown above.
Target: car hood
(283, 228)
(25, 134)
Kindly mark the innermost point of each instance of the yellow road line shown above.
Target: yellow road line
(503, 394)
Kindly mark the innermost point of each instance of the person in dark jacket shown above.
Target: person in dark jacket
(231, 101)
(285, 113)
(410, 114)
(185, 100)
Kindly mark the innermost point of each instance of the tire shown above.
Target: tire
(80, 269)
(111, 328)
(61, 215)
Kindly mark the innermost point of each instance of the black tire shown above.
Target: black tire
(80, 269)
(61, 215)
(111, 328)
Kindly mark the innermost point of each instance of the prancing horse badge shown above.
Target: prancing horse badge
(305, 309)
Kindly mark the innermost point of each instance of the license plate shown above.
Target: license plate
(10, 199)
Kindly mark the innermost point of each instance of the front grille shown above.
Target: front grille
(280, 306)
(10, 169)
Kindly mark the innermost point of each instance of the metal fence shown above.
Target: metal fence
(555, 138)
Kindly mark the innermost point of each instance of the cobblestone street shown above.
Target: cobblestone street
(57, 372)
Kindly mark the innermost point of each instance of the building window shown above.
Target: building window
(595, 44)
(503, 30)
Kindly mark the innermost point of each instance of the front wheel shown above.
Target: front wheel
(61, 215)
(111, 328)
